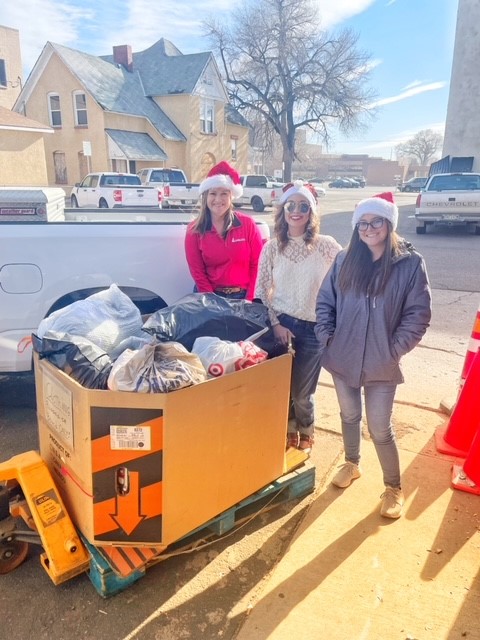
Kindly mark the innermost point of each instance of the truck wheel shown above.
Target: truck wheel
(74, 202)
(103, 204)
(422, 230)
(257, 204)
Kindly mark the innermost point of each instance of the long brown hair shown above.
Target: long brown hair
(280, 228)
(203, 221)
(359, 272)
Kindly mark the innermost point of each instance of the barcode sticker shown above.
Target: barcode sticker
(132, 438)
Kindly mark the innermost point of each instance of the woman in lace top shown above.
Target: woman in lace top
(292, 266)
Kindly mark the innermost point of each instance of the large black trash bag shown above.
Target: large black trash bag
(77, 356)
(206, 314)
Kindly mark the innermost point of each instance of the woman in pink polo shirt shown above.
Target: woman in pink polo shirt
(223, 246)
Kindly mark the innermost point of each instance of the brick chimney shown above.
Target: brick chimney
(123, 55)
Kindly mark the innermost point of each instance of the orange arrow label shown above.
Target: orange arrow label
(127, 507)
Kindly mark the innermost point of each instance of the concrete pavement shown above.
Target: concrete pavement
(350, 574)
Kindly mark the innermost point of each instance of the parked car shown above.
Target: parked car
(340, 183)
(355, 184)
(360, 180)
(108, 190)
(318, 188)
(414, 184)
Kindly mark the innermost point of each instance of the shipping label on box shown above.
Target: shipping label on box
(58, 409)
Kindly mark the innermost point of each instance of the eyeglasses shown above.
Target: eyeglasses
(302, 207)
(376, 223)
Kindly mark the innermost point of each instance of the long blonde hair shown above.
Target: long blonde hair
(203, 222)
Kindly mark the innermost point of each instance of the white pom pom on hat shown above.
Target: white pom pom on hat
(223, 175)
(301, 188)
(381, 204)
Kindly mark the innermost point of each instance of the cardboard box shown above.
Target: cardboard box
(146, 469)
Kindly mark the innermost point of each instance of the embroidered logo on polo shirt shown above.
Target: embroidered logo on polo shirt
(238, 239)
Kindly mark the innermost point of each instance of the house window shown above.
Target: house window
(80, 109)
(233, 147)
(54, 110)
(207, 116)
(3, 74)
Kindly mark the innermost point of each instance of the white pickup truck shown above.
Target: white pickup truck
(51, 256)
(176, 189)
(449, 199)
(258, 192)
(110, 190)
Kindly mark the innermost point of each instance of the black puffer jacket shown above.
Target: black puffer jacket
(369, 335)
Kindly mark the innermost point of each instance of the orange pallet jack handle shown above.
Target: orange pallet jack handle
(41, 507)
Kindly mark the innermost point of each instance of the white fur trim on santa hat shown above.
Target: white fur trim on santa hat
(299, 188)
(221, 180)
(379, 206)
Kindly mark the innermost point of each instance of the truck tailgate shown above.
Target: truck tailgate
(140, 196)
(448, 205)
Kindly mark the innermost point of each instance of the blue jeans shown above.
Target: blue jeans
(378, 410)
(305, 372)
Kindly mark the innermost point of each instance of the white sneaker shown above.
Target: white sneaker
(392, 503)
(345, 475)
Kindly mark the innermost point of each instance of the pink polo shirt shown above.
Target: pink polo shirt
(225, 262)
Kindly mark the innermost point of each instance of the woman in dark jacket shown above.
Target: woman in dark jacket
(373, 307)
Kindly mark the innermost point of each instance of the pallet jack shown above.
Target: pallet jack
(28, 493)
(28, 496)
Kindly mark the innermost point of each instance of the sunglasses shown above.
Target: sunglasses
(301, 207)
(376, 223)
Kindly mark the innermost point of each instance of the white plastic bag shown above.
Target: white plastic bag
(217, 356)
(156, 368)
(106, 318)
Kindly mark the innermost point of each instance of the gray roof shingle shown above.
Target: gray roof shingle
(137, 146)
(158, 71)
(116, 89)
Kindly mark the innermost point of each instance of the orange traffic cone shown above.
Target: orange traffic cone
(462, 426)
(472, 348)
(472, 461)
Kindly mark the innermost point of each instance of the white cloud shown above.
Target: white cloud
(415, 83)
(333, 13)
(408, 93)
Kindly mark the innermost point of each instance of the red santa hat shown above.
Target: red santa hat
(381, 205)
(223, 175)
(301, 188)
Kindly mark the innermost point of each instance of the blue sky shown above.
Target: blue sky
(410, 43)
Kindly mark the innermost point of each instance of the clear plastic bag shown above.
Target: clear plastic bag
(156, 368)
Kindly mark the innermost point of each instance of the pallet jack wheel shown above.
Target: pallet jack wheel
(12, 554)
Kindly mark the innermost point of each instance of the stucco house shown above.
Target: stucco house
(22, 150)
(21, 139)
(128, 111)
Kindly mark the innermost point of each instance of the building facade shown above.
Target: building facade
(127, 111)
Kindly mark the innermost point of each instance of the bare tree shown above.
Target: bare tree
(278, 63)
(422, 147)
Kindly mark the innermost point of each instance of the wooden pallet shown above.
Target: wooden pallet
(113, 569)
